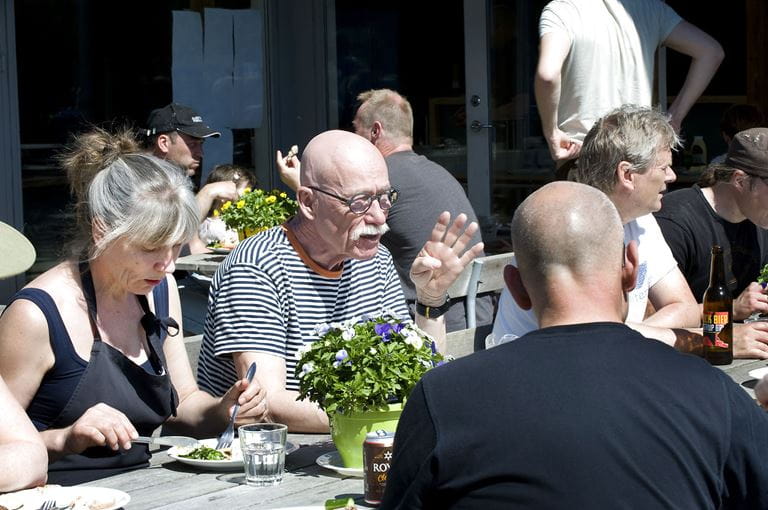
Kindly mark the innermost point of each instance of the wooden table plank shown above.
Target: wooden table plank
(739, 372)
(169, 484)
(203, 263)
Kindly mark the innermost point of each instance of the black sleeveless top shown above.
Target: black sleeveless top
(143, 393)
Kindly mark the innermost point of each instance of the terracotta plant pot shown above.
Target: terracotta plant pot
(348, 431)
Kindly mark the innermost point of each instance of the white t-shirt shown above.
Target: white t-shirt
(656, 261)
(610, 63)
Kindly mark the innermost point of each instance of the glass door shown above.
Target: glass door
(507, 156)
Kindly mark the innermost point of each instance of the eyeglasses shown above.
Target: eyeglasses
(359, 204)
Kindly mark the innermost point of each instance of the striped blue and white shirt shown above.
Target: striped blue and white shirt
(267, 296)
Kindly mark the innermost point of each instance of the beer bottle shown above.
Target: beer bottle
(716, 313)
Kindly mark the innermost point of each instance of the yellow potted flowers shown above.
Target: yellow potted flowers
(256, 210)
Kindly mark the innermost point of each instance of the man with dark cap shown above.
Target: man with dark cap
(176, 132)
(732, 211)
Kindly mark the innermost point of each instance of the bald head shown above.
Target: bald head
(567, 227)
(337, 157)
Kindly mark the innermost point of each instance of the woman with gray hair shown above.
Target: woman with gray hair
(91, 348)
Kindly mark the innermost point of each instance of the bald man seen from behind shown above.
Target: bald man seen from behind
(583, 412)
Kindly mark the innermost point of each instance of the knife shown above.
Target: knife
(167, 440)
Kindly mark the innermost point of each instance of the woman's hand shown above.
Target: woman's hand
(100, 425)
(252, 399)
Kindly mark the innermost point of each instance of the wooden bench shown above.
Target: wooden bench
(484, 274)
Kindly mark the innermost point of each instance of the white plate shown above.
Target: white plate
(233, 464)
(758, 373)
(333, 461)
(76, 498)
(315, 507)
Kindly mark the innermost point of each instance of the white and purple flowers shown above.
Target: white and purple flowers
(341, 357)
(364, 364)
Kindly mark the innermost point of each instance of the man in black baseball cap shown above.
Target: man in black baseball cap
(730, 209)
(176, 132)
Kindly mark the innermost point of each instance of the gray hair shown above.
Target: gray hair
(630, 133)
(137, 197)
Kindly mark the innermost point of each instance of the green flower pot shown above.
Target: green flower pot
(348, 431)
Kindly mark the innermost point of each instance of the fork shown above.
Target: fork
(49, 504)
(225, 440)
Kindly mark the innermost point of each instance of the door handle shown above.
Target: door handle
(477, 126)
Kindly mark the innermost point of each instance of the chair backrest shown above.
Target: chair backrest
(484, 274)
(466, 341)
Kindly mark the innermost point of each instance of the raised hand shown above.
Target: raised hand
(443, 258)
(289, 168)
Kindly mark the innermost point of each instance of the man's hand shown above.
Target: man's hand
(562, 147)
(443, 258)
(752, 299)
(289, 168)
(750, 340)
(252, 400)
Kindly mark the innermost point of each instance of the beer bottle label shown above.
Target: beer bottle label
(712, 324)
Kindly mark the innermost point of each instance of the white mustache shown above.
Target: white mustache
(369, 230)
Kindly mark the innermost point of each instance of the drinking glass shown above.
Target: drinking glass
(263, 446)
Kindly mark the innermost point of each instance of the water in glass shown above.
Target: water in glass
(264, 463)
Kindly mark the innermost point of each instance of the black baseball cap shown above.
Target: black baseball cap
(748, 152)
(181, 118)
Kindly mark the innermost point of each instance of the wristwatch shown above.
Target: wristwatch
(433, 312)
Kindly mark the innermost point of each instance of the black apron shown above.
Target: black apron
(146, 399)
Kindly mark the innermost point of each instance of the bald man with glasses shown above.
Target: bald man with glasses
(324, 265)
(385, 118)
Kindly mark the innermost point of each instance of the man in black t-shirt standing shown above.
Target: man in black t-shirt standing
(584, 412)
(733, 213)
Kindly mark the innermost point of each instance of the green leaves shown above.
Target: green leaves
(763, 277)
(364, 365)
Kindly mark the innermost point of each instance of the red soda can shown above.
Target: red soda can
(377, 454)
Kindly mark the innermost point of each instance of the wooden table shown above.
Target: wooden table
(203, 263)
(739, 372)
(168, 484)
